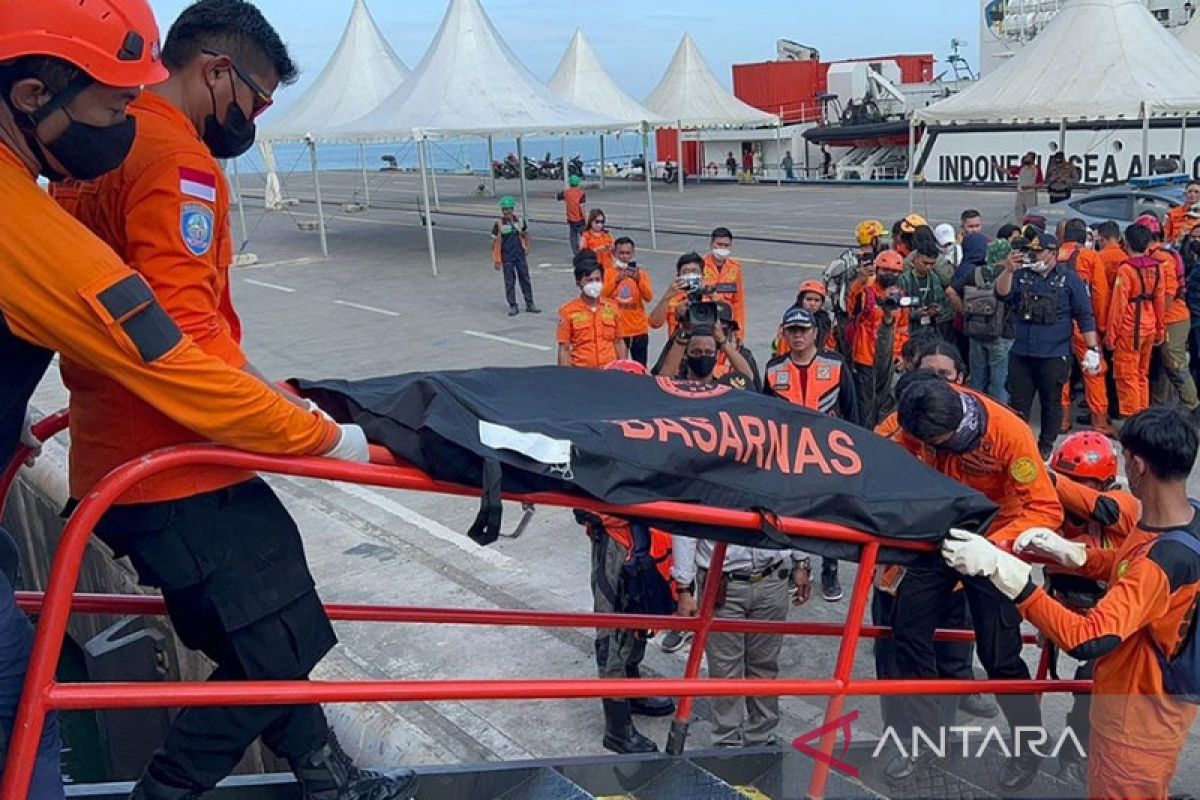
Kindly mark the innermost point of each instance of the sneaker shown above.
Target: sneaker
(513, 311)
(831, 587)
(532, 308)
(979, 705)
(673, 641)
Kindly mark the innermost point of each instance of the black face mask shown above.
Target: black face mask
(701, 366)
(886, 279)
(86, 151)
(232, 138)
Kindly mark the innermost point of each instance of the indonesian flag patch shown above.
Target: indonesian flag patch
(194, 183)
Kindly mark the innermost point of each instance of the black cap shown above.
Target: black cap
(797, 317)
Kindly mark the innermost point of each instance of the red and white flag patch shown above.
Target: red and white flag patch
(194, 183)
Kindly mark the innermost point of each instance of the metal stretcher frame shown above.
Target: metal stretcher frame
(42, 693)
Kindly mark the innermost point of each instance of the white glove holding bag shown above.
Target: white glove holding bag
(1091, 363)
(970, 554)
(28, 439)
(1045, 543)
(351, 446)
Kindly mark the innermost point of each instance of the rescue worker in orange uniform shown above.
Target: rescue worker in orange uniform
(689, 276)
(1141, 626)
(976, 441)
(628, 285)
(841, 272)
(1182, 218)
(873, 328)
(1172, 368)
(1089, 266)
(817, 379)
(587, 325)
(723, 273)
(1136, 320)
(1095, 513)
(574, 198)
(1111, 250)
(212, 539)
(811, 296)
(597, 239)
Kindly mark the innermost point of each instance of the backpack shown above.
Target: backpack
(644, 588)
(983, 312)
(838, 276)
(1181, 674)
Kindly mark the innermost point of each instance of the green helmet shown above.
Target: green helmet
(574, 180)
(507, 203)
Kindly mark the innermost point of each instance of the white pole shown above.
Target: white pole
(437, 200)
(912, 167)
(779, 150)
(1183, 167)
(1145, 140)
(566, 176)
(492, 163)
(362, 162)
(679, 154)
(602, 161)
(237, 190)
(1062, 135)
(312, 156)
(426, 210)
(648, 174)
(521, 173)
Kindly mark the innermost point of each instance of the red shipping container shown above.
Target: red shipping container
(787, 87)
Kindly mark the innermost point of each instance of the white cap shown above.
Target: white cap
(944, 234)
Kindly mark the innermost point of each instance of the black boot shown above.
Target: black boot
(1018, 772)
(327, 773)
(148, 788)
(648, 706)
(619, 734)
(902, 769)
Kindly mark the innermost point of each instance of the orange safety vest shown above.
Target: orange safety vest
(815, 386)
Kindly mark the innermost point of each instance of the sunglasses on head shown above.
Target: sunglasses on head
(262, 98)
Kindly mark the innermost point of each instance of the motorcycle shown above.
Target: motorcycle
(532, 168)
(506, 168)
(670, 172)
(575, 166)
(550, 169)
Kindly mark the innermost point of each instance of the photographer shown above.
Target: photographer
(699, 352)
(871, 335)
(689, 276)
(629, 287)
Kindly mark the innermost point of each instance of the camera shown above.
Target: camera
(700, 309)
(692, 282)
(894, 302)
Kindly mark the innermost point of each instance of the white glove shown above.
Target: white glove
(28, 439)
(971, 554)
(1091, 363)
(1045, 543)
(351, 446)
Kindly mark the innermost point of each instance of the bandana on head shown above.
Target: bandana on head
(970, 429)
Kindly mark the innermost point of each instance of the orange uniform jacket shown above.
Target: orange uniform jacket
(731, 272)
(1175, 284)
(591, 333)
(1005, 467)
(65, 290)
(590, 240)
(1113, 256)
(1179, 224)
(165, 211)
(866, 319)
(672, 321)
(1090, 268)
(1152, 588)
(631, 296)
(1104, 519)
(574, 198)
(1138, 277)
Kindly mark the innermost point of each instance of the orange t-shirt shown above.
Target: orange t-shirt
(65, 290)
(591, 332)
(730, 272)
(631, 296)
(597, 242)
(166, 212)
(574, 198)
(1179, 224)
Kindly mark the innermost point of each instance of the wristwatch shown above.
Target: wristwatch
(685, 588)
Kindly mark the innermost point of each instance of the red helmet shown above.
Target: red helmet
(1149, 222)
(890, 260)
(628, 365)
(114, 41)
(816, 287)
(1086, 454)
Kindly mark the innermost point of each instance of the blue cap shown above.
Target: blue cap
(797, 317)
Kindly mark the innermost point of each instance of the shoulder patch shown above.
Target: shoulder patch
(196, 227)
(1024, 471)
(197, 183)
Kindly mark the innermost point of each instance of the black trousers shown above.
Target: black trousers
(954, 659)
(514, 271)
(576, 232)
(639, 348)
(232, 570)
(916, 614)
(1044, 377)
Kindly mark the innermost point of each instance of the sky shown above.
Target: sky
(635, 38)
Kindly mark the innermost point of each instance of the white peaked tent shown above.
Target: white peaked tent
(470, 83)
(1096, 60)
(690, 96)
(362, 72)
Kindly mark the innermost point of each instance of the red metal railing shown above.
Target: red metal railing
(42, 693)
